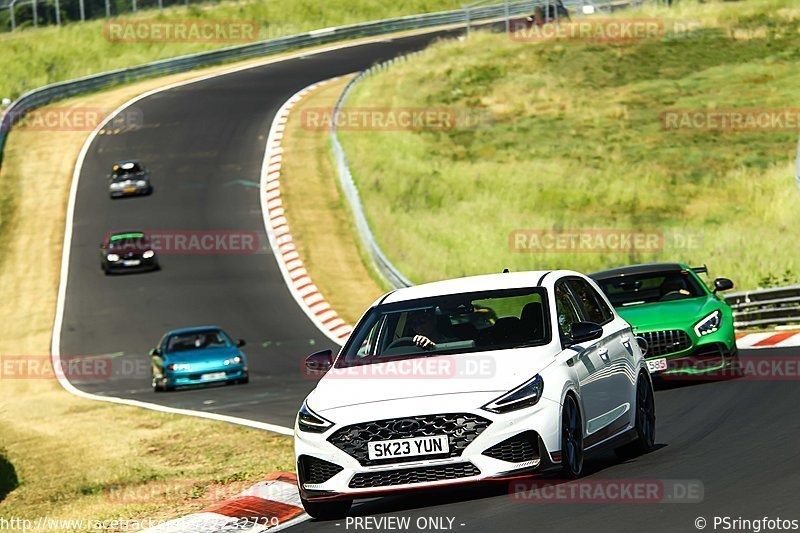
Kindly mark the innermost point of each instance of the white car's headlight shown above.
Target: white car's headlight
(116, 186)
(141, 183)
(112, 257)
(709, 324)
(308, 420)
(148, 254)
(526, 395)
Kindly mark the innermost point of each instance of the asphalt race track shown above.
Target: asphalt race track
(204, 145)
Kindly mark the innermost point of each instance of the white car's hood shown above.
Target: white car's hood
(495, 371)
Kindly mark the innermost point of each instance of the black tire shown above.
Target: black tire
(245, 380)
(160, 385)
(645, 425)
(571, 439)
(327, 510)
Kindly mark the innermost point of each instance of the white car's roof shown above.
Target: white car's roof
(487, 282)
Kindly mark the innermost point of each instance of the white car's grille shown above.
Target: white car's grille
(461, 429)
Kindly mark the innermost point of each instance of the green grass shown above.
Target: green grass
(574, 141)
(31, 58)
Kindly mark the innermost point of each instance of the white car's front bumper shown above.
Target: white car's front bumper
(471, 432)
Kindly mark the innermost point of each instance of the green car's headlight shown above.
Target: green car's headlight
(526, 395)
(308, 420)
(709, 324)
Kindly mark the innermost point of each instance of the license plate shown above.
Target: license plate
(657, 365)
(213, 375)
(131, 262)
(412, 447)
(129, 189)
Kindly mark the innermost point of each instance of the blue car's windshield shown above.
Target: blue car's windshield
(197, 340)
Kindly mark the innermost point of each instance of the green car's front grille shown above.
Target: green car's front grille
(665, 342)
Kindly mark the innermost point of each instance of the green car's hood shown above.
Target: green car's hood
(668, 315)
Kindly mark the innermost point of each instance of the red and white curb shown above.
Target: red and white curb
(289, 261)
(768, 339)
(270, 505)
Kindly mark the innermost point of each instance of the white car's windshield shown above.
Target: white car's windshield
(455, 323)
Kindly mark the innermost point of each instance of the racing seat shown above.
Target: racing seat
(532, 319)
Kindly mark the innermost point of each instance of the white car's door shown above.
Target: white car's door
(589, 362)
(619, 377)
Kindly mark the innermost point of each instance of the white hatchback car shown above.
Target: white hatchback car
(472, 379)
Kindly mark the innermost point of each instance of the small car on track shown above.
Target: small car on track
(687, 326)
(197, 356)
(127, 251)
(472, 379)
(129, 178)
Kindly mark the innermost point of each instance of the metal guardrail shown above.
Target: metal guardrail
(58, 91)
(765, 307)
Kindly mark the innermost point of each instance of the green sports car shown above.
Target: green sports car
(688, 328)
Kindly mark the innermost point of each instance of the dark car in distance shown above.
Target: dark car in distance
(127, 251)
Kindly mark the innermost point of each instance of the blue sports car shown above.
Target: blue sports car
(196, 356)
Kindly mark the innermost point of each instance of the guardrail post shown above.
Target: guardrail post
(35, 6)
(83, 10)
(58, 13)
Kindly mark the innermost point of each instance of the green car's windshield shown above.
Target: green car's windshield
(628, 290)
(455, 323)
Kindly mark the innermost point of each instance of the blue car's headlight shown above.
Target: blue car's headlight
(526, 395)
(709, 324)
(308, 420)
(232, 361)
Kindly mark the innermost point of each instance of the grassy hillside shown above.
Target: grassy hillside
(34, 57)
(571, 137)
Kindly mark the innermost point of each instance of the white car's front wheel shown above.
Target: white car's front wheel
(571, 438)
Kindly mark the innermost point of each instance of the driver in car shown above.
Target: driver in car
(423, 325)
